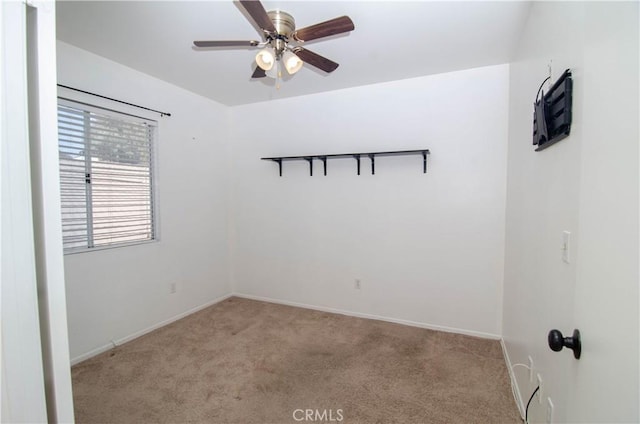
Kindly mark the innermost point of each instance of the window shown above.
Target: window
(106, 177)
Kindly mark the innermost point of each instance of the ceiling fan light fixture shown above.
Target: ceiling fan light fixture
(266, 58)
(278, 29)
(274, 72)
(292, 63)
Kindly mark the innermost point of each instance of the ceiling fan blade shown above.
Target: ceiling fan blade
(324, 29)
(259, 73)
(315, 59)
(226, 43)
(255, 9)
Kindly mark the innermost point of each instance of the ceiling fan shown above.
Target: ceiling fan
(280, 47)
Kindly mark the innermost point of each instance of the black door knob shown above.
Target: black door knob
(557, 341)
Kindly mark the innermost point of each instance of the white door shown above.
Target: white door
(35, 378)
(604, 382)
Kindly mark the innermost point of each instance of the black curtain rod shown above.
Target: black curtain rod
(115, 100)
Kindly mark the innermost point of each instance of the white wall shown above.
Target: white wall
(116, 293)
(428, 248)
(586, 184)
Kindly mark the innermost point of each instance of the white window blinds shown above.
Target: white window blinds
(106, 178)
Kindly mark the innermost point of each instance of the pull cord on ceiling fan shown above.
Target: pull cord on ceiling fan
(280, 46)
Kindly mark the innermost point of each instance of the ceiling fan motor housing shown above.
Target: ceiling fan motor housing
(284, 22)
(285, 25)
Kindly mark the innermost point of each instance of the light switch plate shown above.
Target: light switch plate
(566, 245)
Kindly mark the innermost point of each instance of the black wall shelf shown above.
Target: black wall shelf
(356, 156)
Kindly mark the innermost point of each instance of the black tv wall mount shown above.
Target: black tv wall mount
(552, 112)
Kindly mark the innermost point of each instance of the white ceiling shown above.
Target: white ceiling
(393, 40)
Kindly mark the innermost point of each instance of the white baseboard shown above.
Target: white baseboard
(428, 326)
(512, 378)
(376, 317)
(137, 334)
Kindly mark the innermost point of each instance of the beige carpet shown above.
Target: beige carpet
(243, 361)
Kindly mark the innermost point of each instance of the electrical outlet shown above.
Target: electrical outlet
(530, 369)
(540, 389)
(549, 411)
(357, 284)
(172, 288)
